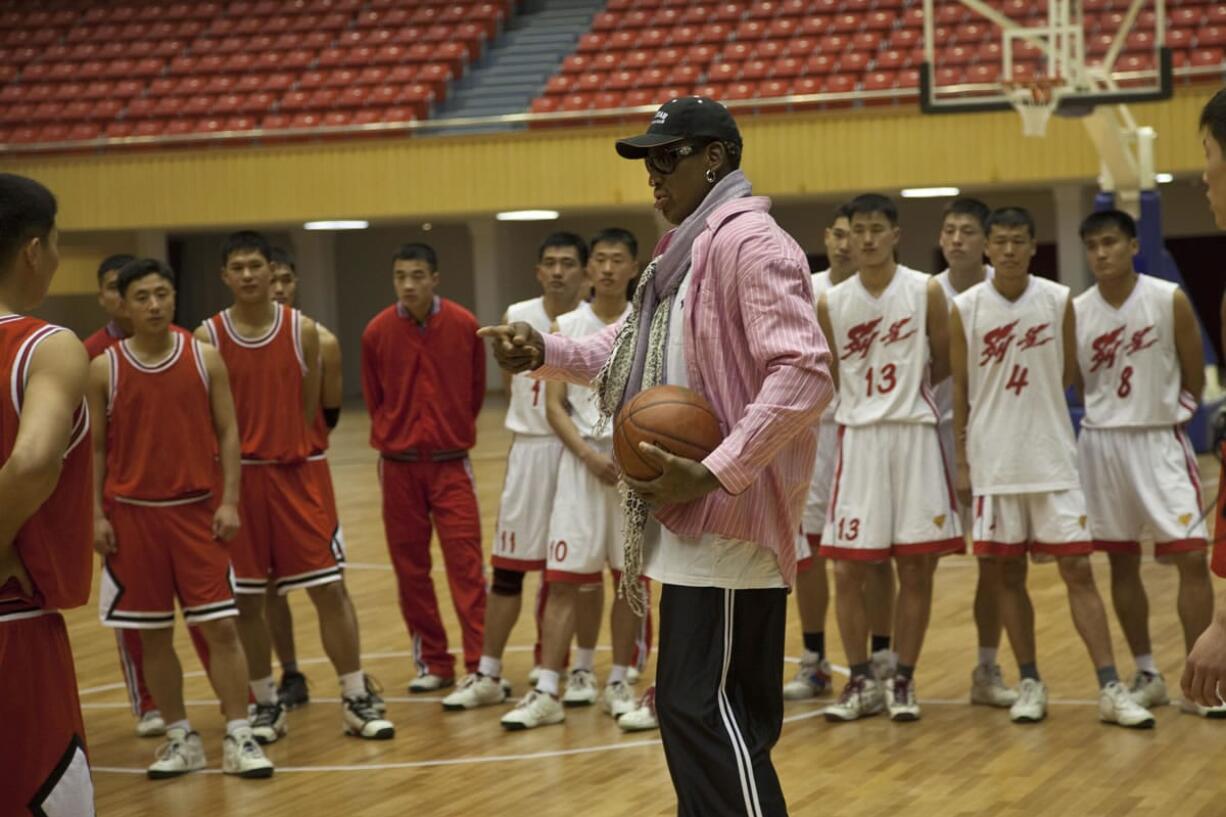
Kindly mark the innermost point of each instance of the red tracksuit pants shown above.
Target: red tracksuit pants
(131, 662)
(417, 497)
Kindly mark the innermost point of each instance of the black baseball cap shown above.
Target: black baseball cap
(686, 117)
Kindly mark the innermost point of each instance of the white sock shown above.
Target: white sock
(807, 657)
(987, 656)
(585, 659)
(264, 690)
(353, 684)
(232, 727)
(886, 655)
(490, 667)
(1145, 663)
(184, 724)
(618, 673)
(547, 681)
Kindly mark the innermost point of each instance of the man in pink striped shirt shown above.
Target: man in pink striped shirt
(725, 308)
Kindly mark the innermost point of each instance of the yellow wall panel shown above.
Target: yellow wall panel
(80, 256)
(787, 156)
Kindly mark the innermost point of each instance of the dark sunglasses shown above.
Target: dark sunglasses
(664, 161)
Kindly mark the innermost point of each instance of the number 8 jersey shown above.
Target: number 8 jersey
(882, 344)
(1019, 434)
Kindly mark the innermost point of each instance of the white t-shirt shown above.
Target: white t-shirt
(944, 391)
(821, 283)
(708, 560)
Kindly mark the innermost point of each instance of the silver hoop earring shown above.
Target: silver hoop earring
(710, 176)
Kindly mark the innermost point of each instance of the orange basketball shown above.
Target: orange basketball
(674, 418)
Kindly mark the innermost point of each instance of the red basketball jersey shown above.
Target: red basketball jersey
(160, 442)
(319, 432)
(266, 377)
(56, 543)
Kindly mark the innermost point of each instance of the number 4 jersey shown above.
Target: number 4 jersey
(1019, 435)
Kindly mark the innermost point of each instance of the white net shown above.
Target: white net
(1035, 101)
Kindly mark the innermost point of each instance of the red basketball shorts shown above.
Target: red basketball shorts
(164, 551)
(43, 763)
(286, 535)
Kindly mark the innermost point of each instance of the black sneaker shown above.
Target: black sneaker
(268, 722)
(292, 692)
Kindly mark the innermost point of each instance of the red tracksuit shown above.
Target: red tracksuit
(131, 654)
(43, 766)
(424, 384)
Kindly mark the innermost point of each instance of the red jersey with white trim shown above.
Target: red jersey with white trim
(882, 344)
(266, 377)
(109, 335)
(1019, 434)
(56, 543)
(526, 404)
(152, 410)
(1128, 358)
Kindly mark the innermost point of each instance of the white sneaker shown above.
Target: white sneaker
(1115, 705)
(151, 725)
(643, 717)
(883, 666)
(580, 688)
(243, 756)
(268, 722)
(618, 699)
(533, 710)
(1031, 704)
(477, 690)
(901, 700)
(182, 752)
(861, 698)
(633, 676)
(363, 720)
(988, 687)
(1149, 690)
(1211, 712)
(430, 683)
(812, 679)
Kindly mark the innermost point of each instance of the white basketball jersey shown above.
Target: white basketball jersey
(526, 411)
(944, 391)
(882, 344)
(1019, 436)
(1128, 358)
(585, 412)
(821, 283)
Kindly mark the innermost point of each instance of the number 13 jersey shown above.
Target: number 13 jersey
(1019, 435)
(882, 345)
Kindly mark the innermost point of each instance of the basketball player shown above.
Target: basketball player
(272, 354)
(1013, 353)
(520, 537)
(585, 526)
(45, 529)
(813, 678)
(725, 307)
(1204, 674)
(158, 523)
(892, 497)
(1143, 369)
(423, 377)
(292, 691)
(131, 659)
(963, 240)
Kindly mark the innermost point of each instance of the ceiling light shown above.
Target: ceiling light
(1164, 178)
(337, 224)
(527, 215)
(928, 192)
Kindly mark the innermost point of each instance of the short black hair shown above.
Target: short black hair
(282, 258)
(967, 206)
(1012, 217)
(617, 235)
(139, 268)
(734, 151)
(27, 210)
(113, 262)
(842, 211)
(564, 240)
(417, 251)
(1105, 220)
(1213, 117)
(245, 241)
(870, 203)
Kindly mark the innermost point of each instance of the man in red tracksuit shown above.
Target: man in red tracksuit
(423, 377)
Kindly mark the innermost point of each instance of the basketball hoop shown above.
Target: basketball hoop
(1035, 100)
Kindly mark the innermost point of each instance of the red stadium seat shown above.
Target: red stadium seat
(751, 30)
(755, 70)
(608, 99)
(700, 54)
(774, 88)
(736, 52)
(833, 44)
(697, 14)
(723, 72)
(983, 74)
(866, 41)
(683, 75)
(352, 97)
(714, 33)
(890, 60)
(592, 41)
(818, 65)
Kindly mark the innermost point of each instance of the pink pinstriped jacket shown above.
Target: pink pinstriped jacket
(754, 350)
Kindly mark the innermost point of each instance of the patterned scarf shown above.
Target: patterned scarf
(637, 361)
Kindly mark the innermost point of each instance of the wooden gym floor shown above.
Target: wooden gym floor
(956, 762)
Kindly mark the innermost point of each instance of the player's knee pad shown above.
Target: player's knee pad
(507, 582)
